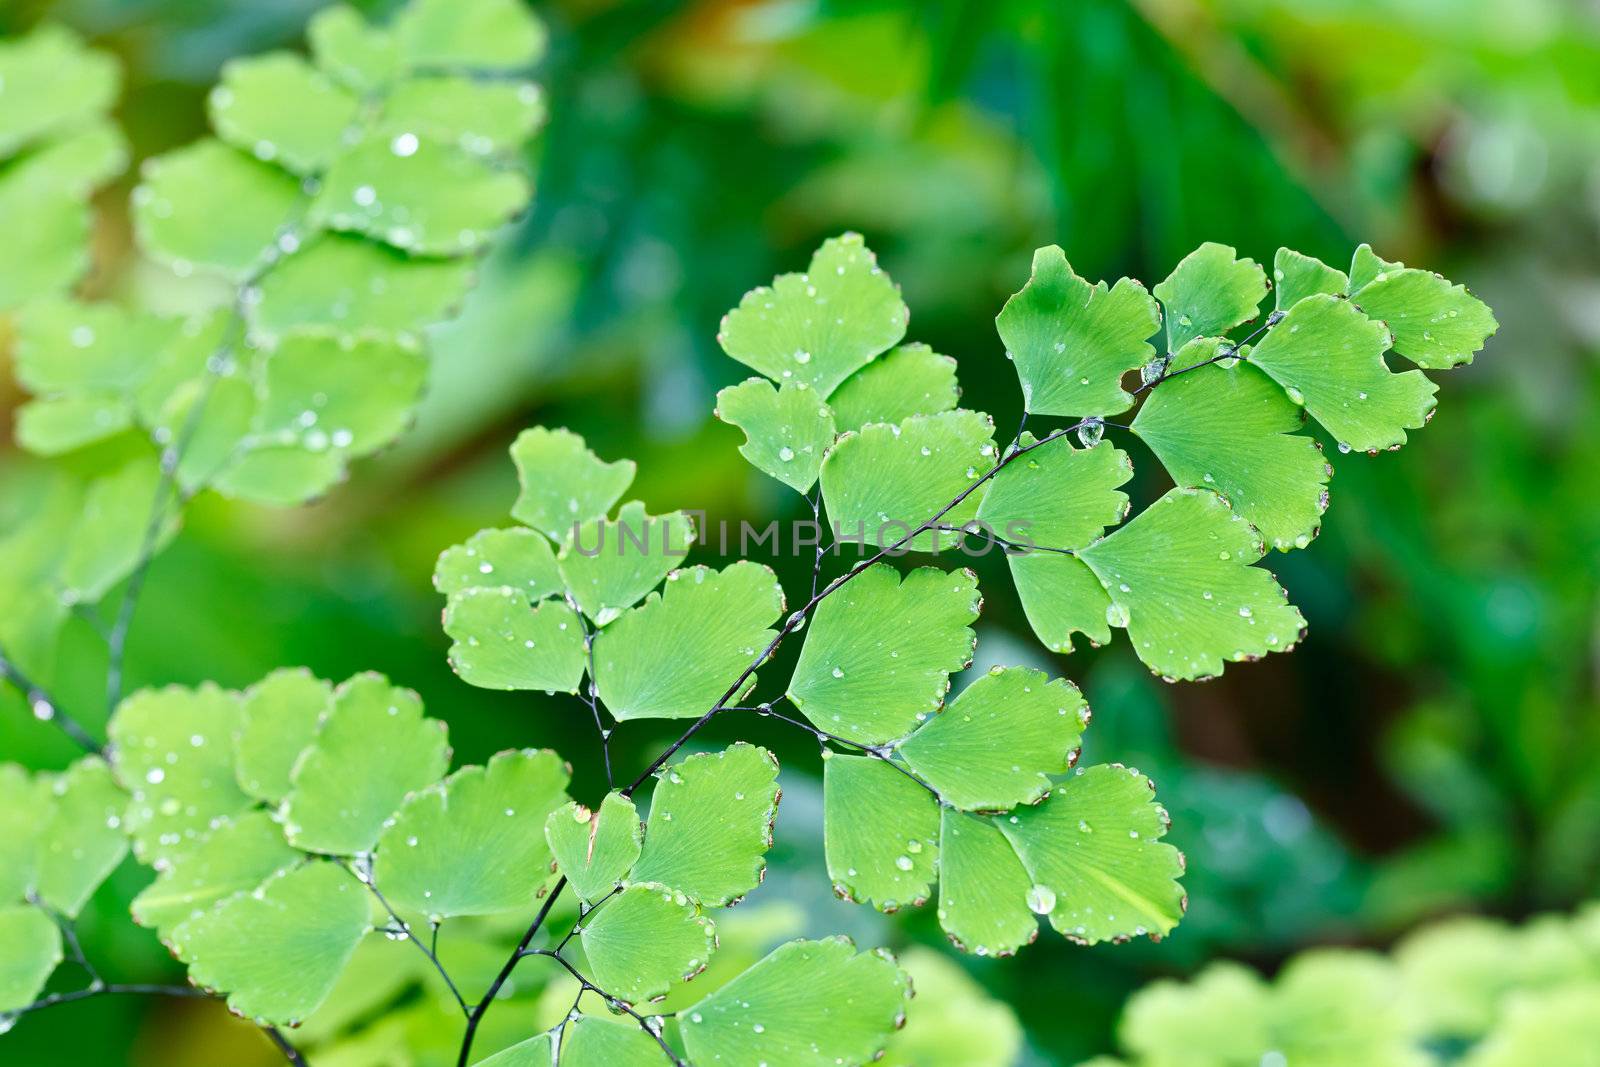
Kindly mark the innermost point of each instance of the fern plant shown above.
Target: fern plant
(1466, 991)
(302, 833)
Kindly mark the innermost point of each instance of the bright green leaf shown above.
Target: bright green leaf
(564, 483)
(820, 327)
(1231, 429)
(880, 651)
(354, 284)
(786, 430)
(1365, 267)
(474, 843)
(644, 940)
(184, 193)
(281, 109)
(355, 52)
(1057, 496)
(911, 379)
(83, 841)
(1436, 325)
(595, 849)
(593, 1041)
(1210, 292)
(807, 1004)
(1060, 596)
(56, 425)
(49, 82)
(1072, 341)
(418, 193)
(880, 832)
(996, 745)
(536, 1051)
(355, 394)
(678, 653)
(1093, 852)
(1299, 276)
(277, 721)
(983, 888)
(109, 536)
(609, 564)
(237, 856)
(710, 824)
(172, 749)
(374, 748)
(503, 643)
(1328, 357)
(1180, 581)
(22, 798)
(483, 117)
(32, 950)
(519, 557)
(886, 481)
(277, 952)
(474, 34)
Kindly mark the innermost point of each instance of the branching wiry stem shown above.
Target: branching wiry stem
(589, 693)
(403, 929)
(46, 708)
(877, 752)
(620, 1005)
(476, 1015)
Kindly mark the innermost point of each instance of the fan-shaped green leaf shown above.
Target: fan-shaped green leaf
(21, 800)
(483, 117)
(276, 952)
(1225, 1011)
(109, 536)
(277, 721)
(83, 840)
(1545, 1027)
(33, 949)
(1328, 357)
(237, 856)
(820, 327)
(983, 888)
(880, 651)
(418, 193)
(47, 238)
(1057, 496)
(281, 109)
(279, 475)
(518, 557)
(537, 1051)
(996, 745)
(352, 50)
(885, 481)
(1299, 276)
(675, 655)
(484, 34)
(1060, 596)
(49, 82)
(474, 843)
(593, 1041)
(64, 346)
(1231, 429)
(644, 940)
(1073, 341)
(880, 832)
(172, 749)
(1436, 325)
(502, 643)
(1365, 266)
(1209, 292)
(786, 430)
(354, 394)
(807, 1004)
(564, 483)
(184, 193)
(354, 284)
(74, 162)
(374, 748)
(55, 425)
(1180, 581)
(595, 849)
(710, 826)
(912, 379)
(609, 564)
(1094, 854)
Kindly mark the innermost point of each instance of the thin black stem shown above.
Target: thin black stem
(815, 500)
(476, 1015)
(45, 708)
(290, 1053)
(878, 752)
(403, 929)
(1011, 547)
(614, 1002)
(590, 692)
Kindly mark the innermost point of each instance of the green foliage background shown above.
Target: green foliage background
(1433, 745)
